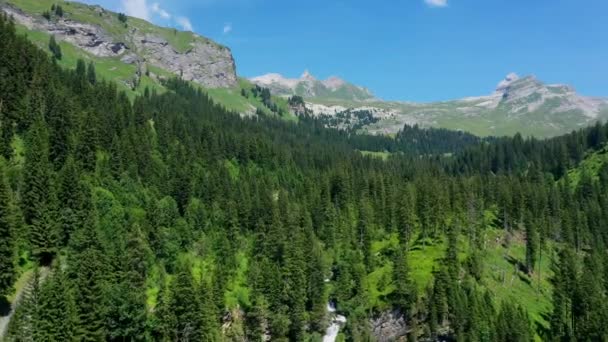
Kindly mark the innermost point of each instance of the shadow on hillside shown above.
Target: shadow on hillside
(542, 330)
(514, 261)
(5, 307)
(524, 278)
(422, 242)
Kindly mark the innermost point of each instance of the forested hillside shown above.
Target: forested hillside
(167, 218)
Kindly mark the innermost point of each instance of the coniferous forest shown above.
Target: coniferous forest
(167, 218)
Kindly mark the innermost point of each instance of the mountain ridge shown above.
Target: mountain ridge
(101, 33)
(139, 55)
(518, 104)
(309, 86)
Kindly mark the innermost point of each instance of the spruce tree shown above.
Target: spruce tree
(404, 294)
(38, 198)
(91, 75)
(55, 48)
(7, 238)
(532, 244)
(186, 305)
(57, 319)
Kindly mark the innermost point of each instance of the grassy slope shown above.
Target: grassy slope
(591, 164)
(112, 69)
(502, 259)
(449, 115)
(381, 155)
(501, 274)
(109, 22)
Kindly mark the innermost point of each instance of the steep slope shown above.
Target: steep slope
(524, 105)
(100, 33)
(310, 87)
(137, 55)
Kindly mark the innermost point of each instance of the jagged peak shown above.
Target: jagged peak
(334, 82)
(507, 81)
(307, 76)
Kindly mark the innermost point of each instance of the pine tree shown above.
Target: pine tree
(59, 10)
(588, 303)
(55, 48)
(209, 324)
(564, 284)
(404, 294)
(186, 305)
(407, 215)
(6, 135)
(57, 319)
(164, 318)
(90, 295)
(91, 75)
(7, 271)
(294, 273)
(38, 198)
(316, 286)
(532, 244)
(25, 322)
(257, 319)
(126, 308)
(86, 151)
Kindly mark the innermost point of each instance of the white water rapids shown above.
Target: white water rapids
(337, 321)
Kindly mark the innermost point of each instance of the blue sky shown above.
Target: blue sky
(418, 50)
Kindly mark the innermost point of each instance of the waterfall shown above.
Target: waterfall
(336, 321)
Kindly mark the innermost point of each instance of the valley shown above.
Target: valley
(150, 193)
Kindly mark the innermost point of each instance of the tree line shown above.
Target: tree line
(170, 218)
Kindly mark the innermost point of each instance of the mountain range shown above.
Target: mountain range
(138, 55)
(310, 87)
(518, 104)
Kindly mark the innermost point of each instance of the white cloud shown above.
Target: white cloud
(436, 3)
(227, 28)
(185, 23)
(136, 8)
(160, 11)
(141, 9)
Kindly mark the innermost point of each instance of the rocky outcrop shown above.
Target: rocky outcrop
(389, 326)
(204, 62)
(233, 326)
(88, 37)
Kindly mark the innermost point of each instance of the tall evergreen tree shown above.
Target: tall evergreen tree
(55, 48)
(186, 305)
(38, 199)
(532, 244)
(7, 238)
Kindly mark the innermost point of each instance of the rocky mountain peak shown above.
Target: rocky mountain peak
(334, 82)
(307, 76)
(507, 81)
(309, 86)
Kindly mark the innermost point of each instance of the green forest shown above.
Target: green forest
(166, 217)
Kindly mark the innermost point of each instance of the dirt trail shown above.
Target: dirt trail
(5, 320)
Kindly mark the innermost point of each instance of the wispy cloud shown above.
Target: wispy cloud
(160, 11)
(142, 9)
(227, 28)
(136, 8)
(437, 3)
(185, 23)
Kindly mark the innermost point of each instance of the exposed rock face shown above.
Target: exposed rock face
(518, 104)
(522, 95)
(85, 36)
(389, 326)
(205, 62)
(308, 86)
